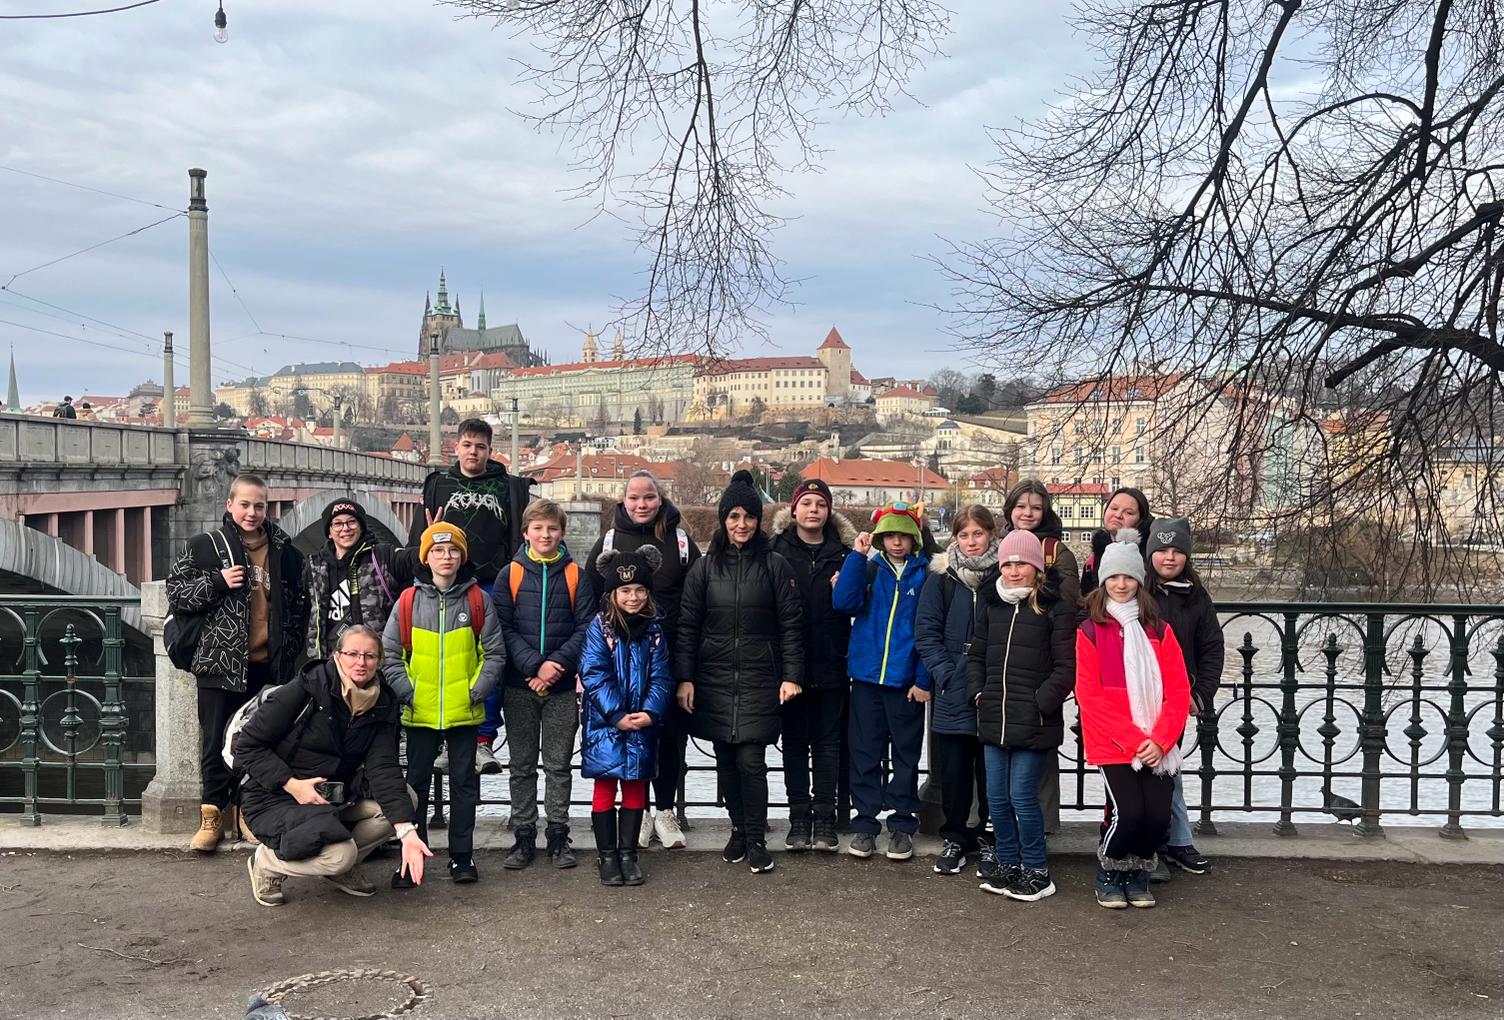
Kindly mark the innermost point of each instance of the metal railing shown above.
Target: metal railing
(67, 708)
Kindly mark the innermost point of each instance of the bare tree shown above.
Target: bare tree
(1296, 201)
(687, 117)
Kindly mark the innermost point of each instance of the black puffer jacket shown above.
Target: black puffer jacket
(1020, 669)
(1066, 570)
(196, 584)
(282, 742)
(740, 637)
(826, 631)
(668, 580)
(1189, 611)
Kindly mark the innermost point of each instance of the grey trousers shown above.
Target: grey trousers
(551, 722)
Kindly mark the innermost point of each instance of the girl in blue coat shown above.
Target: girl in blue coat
(624, 669)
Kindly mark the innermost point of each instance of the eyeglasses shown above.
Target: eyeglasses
(361, 656)
(344, 525)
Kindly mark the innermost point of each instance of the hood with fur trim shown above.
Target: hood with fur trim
(837, 527)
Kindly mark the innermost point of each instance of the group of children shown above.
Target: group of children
(835, 641)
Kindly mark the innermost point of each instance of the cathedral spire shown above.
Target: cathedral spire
(480, 321)
(443, 303)
(12, 395)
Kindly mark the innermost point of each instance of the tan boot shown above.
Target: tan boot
(238, 828)
(211, 829)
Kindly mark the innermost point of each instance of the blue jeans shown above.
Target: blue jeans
(1013, 801)
(1180, 816)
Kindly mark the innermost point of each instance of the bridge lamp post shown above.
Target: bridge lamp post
(338, 412)
(513, 465)
(435, 443)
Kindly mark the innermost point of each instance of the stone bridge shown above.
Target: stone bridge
(94, 508)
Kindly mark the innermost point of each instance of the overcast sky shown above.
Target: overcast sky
(353, 148)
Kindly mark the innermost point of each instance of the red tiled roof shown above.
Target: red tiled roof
(833, 339)
(538, 371)
(727, 367)
(495, 359)
(1114, 388)
(399, 368)
(595, 465)
(857, 379)
(1081, 489)
(884, 473)
(997, 477)
(404, 444)
(903, 392)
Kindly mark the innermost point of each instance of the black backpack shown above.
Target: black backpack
(181, 631)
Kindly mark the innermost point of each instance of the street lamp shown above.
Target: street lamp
(338, 412)
(435, 443)
(513, 465)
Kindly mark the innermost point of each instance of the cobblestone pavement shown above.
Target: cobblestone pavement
(168, 935)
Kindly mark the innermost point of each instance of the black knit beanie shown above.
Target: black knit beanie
(346, 505)
(742, 492)
(618, 568)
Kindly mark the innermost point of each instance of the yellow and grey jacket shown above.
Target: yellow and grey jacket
(445, 676)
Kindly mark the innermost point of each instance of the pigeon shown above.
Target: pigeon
(1340, 807)
(260, 1009)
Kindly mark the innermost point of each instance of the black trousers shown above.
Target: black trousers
(1138, 817)
(464, 782)
(959, 765)
(673, 740)
(215, 706)
(743, 773)
(812, 746)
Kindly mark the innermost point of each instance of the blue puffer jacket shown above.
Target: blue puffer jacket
(621, 677)
(943, 629)
(882, 632)
(542, 624)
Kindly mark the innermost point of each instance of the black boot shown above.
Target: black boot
(604, 824)
(630, 821)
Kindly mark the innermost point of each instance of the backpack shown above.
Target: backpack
(473, 595)
(243, 715)
(608, 541)
(1051, 551)
(571, 578)
(181, 631)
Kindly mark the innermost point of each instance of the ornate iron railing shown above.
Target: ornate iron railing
(69, 716)
(1327, 710)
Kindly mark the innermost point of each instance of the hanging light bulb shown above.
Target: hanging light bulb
(221, 25)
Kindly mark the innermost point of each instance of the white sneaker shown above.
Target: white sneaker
(485, 760)
(441, 763)
(645, 837)
(666, 827)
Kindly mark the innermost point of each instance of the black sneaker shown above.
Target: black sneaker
(736, 848)
(1000, 878)
(1136, 888)
(523, 850)
(801, 831)
(987, 865)
(560, 853)
(758, 858)
(462, 870)
(1110, 892)
(952, 859)
(900, 846)
(1029, 885)
(1161, 872)
(824, 834)
(1186, 858)
(863, 844)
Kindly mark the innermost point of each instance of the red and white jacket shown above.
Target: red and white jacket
(1108, 732)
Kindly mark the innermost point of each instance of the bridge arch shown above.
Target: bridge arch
(36, 559)
(305, 521)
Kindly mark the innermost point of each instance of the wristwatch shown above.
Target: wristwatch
(404, 829)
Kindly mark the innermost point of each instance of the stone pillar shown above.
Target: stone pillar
(584, 528)
(213, 461)
(200, 380)
(435, 436)
(170, 801)
(169, 389)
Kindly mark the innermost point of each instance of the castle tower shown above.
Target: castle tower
(437, 315)
(589, 352)
(835, 355)
(480, 321)
(619, 349)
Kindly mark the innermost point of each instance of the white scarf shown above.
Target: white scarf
(1146, 692)
(1013, 596)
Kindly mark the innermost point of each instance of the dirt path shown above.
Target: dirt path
(173, 936)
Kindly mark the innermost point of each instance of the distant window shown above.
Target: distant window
(1141, 425)
(1117, 455)
(1138, 456)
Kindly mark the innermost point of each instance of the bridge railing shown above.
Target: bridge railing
(70, 717)
(1355, 711)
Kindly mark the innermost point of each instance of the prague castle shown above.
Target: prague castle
(445, 319)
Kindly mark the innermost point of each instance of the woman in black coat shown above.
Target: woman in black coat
(1127, 507)
(1186, 606)
(645, 517)
(335, 724)
(740, 656)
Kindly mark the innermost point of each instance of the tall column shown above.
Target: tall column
(200, 387)
(512, 465)
(435, 439)
(169, 388)
(170, 801)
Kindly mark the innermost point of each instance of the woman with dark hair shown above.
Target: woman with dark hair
(740, 657)
(646, 517)
(1029, 508)
(1126, 508)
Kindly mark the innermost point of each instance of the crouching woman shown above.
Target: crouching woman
(323, 787)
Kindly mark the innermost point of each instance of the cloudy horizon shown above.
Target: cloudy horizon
(355, 149)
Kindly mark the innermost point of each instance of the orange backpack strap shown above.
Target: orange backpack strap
(1051, 551)
(405, 619)
(572, 579)
(477, 608)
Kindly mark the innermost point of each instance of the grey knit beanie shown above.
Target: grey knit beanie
(1169, 533)
(1123, 557)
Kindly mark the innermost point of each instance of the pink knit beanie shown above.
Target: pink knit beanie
(1020, 546)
